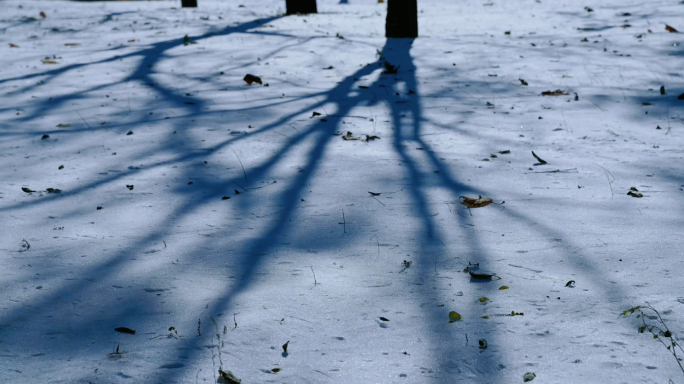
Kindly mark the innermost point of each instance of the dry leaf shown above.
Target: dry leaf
(229, 377)
(13, 45)
(635, 194)
(557, 92)
(61, 125)
(72, 44)
(523, 82)
(27, 190)
(539, 159)
(49, 62)
(42, 14)
(125, 330)
(670, 29)
(374, 193)
(483, 276)
(371, 137)
(252, 79)
(391, 69)
(476, 203)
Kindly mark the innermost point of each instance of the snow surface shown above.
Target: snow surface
(168, 253)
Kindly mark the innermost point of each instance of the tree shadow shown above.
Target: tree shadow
(400, 93)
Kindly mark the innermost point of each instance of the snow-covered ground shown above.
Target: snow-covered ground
(104, 102)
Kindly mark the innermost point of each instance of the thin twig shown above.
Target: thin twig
(566, 123)
(610, 183)
(314, 275)
(344, 222)
(243, 168)
(233, 181)
(84, 120)
(379, 201)
(377, 241)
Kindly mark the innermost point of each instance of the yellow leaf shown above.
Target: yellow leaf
(483, 299)
(454, 316)
(503, 287)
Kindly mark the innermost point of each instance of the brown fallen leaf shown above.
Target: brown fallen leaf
(49, 62)
(539, 159)
(371, 137)
(557, 92)
(27, 190)
(523, 82)
(13, 45)
(42, 14)
(252, 79)
(72, 44)
(131, 41)
(471, 202)
(670, 29)
(350, 138)
(634, 194)
(374, 193)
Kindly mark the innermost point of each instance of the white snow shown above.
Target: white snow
(169, 254)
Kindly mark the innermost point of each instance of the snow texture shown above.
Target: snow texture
(109, 103)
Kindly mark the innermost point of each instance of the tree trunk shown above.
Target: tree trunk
(189, 3)
(402, 19)
(300, 6)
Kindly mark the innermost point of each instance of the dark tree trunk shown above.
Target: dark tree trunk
(300, 6)
(189, 3)
(402, 19)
